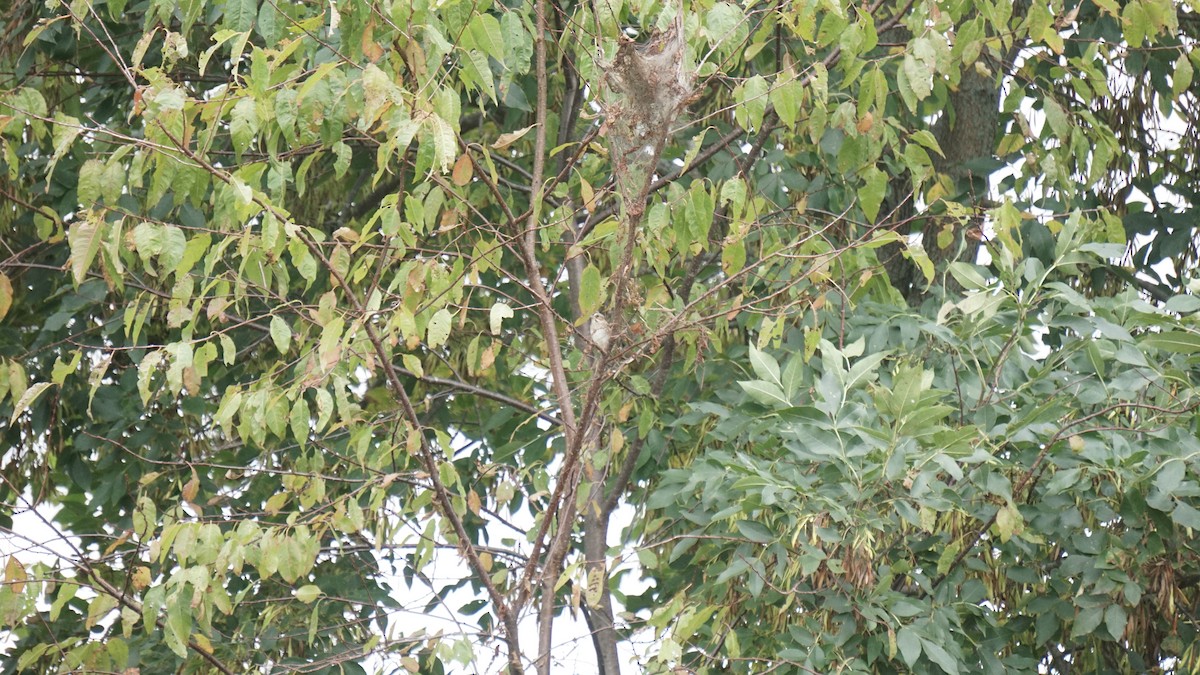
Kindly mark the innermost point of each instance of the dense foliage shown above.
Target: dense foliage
(319, 319)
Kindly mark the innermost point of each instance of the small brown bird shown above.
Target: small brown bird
(599, 332)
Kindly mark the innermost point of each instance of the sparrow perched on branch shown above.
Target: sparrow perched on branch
(599, 332)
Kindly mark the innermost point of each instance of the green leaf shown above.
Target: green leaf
(1057, 118)
(329, 347)
(1174, 341)
(766, 393)
(751, 97)
(65, 594)
(166, 242)
(927, 140)
(733, 194)
(243, 124)
(700, 211)
(872, 192)
(694, 148)
(64, 367)
(1187, 516)
(917, 254)
(910, 645)
(1181, 79)
(967, 274)
(24, 105)
(438, 330)
(865, 369)
(725, 24)
(341, 162)
(793, 375)
(1115, 620)
(906, 90)
(1183, 304)
(919, 63)
(267, 23)
(239, 14)
(413, 364)
(733, 257)
(1087, 619)
(1137, 23)
(518, 43)
(591, 292)
(487, 36)
(281, 334)
(477, 71)
(691, 621)
(940, 656)
(764, 365)
(179, 626)
(91, 179)
(378, 92)
(285, 110)
(1170, 476)
(755, 532)
(786, 97)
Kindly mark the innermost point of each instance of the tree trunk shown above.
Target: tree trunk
(966, 133)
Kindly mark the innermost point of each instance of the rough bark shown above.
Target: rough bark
(966, 133)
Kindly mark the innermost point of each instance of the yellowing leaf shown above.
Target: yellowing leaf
(6, 295)
(276, 502)
(141, 577)
(509, 138)
(190, 489)
(100, 606)
(308, 593)
(444, 143)
(15, 574)
(917, 254)
(463, 170)
(66, 130)
(438, 330)
(587, 194)
(1009, 522)
(500, 311)
(413, 364)
(25, 402)
(84, 237)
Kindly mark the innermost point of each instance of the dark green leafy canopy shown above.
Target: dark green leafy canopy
(298, 339)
